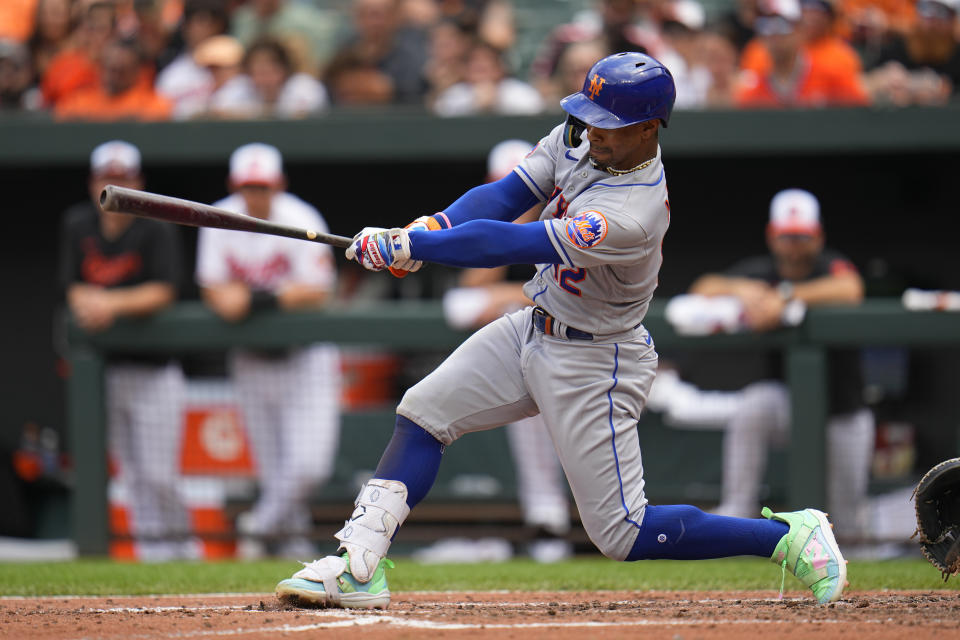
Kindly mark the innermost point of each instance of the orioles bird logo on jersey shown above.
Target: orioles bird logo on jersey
(587, 229)
(596, 84)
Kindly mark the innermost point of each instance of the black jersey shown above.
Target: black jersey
(147, 251)
(845, 375)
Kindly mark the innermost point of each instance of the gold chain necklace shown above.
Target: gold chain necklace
(622, 172)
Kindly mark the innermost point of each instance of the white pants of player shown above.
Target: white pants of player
(144, 417)
(541, 488)
(291, 409)
(590, 395)
(763, 421)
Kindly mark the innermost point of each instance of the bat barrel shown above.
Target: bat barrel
(169, 209)
(195, 214)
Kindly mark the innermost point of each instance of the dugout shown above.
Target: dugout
(885, 179)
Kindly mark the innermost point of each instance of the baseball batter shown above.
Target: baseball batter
(581, 357)
(289, 397)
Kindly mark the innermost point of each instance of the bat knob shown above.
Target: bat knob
(108, 198)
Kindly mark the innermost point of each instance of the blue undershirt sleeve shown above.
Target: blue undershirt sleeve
(485, 243)
(506, 199)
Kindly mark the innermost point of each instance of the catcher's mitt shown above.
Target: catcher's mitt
(937, 502)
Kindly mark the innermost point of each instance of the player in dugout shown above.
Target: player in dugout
(580, 356)
(797, 268)
(116, 266)
(289, 397)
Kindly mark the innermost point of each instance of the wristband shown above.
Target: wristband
(785, 290)
(262, 300)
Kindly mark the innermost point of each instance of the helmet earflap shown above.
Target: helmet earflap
(573, 131)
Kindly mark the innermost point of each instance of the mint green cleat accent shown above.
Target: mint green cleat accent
(309, 586)
(810, 552)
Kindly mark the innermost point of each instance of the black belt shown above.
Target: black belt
(546, 323)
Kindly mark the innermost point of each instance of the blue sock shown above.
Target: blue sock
(682, 532)
(413, 458)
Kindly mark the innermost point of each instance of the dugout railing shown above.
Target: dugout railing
(190, 328)
(413, 134)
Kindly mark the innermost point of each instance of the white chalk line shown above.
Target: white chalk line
(458, 626)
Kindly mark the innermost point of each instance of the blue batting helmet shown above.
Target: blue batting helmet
(623, 89)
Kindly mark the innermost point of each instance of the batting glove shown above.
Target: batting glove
(376, 248)
(425, 223)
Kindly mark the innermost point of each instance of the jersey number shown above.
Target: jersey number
(562, 203)
(565, 278)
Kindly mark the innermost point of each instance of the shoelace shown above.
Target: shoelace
(783, 577)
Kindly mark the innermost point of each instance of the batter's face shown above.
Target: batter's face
(623, 148)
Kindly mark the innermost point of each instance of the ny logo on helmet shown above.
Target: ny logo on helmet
(596, 84)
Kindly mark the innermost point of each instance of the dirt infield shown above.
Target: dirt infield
(516, 615)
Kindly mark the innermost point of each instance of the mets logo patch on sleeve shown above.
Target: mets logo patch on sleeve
(587, 229)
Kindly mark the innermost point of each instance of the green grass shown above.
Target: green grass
(104, 577)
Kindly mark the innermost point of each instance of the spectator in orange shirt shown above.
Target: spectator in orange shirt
(75, 67)
(795, 78)
(16, 19)
(818, 19)
(122, 92)
(51, 34)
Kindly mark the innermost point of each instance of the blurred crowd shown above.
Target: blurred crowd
(189, 59)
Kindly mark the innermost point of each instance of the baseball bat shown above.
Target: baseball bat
(194, 214)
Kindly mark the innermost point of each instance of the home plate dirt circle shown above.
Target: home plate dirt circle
(518, 615)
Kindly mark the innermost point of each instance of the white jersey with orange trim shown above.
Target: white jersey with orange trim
(266, 262)
(607, 230)
(290, 398)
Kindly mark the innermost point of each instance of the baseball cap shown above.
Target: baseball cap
(219, 51)
(942, 9)
(14, 51)
(689, 13)
(787, 9)
(826, 6)
(776, 17)
(256, 163)
(115, 158)
(794, 212)
(505, 156)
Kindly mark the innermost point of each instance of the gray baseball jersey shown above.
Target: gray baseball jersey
(590, 390)
(608, 231)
